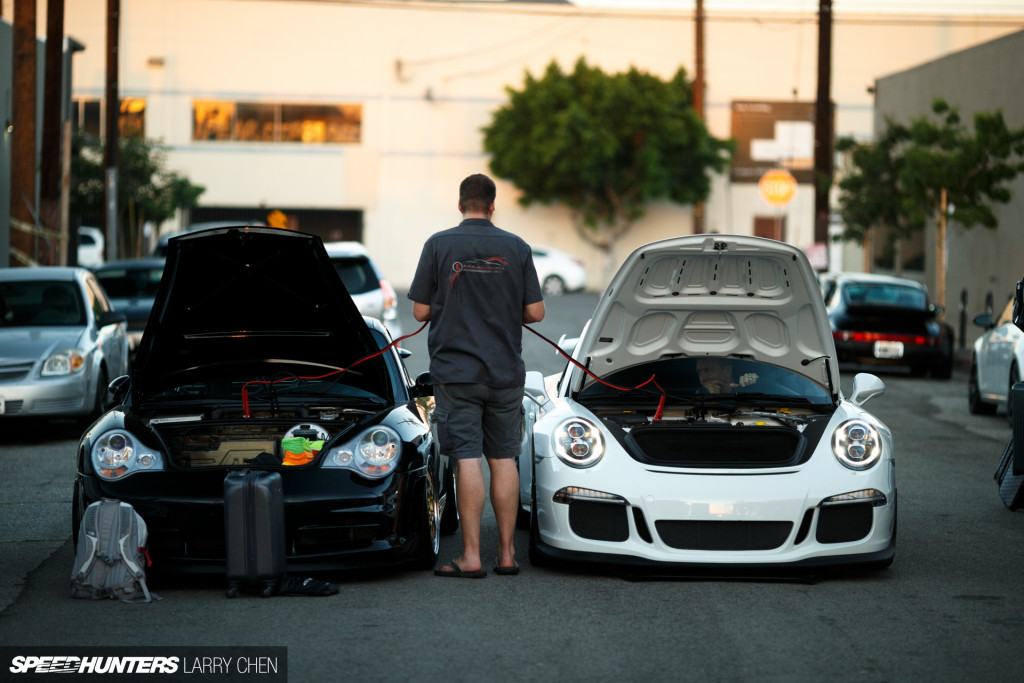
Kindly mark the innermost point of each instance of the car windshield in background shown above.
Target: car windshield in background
(130, 283)
(41, 302)
(886, 295)
(356, 273)
(682, 378)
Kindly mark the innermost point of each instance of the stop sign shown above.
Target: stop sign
(777, 187)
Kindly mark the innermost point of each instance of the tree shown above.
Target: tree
(930, 169)
(603, 145)
(146, 190)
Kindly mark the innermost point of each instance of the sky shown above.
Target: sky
(959, 7)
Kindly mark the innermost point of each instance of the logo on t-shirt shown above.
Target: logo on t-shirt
(494, 264)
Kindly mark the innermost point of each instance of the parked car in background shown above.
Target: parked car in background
(558, 272)
(131, 285)
(365, 283)
(888, 322)
(630, 461)
(61, 343)
(91, 247)
(255, 356)
(996, 362)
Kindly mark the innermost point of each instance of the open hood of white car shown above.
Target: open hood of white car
(723, 295)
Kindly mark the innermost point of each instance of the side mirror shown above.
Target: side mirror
(535, 388)
(984, 320)
(118, 388)
(424, 386)
(865, 388)
(111, 318)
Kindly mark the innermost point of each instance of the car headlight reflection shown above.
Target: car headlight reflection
(374, 453)
(857, 445)
(578, 443)
(117, 454)
(66, 362)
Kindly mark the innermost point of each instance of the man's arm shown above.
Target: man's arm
(420, 311)
(533, 313)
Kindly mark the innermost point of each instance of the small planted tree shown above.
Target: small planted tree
(930, 169)
(604, 146)
(146, 190)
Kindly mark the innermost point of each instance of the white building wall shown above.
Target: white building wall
(428, 76)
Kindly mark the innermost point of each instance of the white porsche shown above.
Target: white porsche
(700, 423)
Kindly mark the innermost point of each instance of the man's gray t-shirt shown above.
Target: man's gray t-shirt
(476, 278)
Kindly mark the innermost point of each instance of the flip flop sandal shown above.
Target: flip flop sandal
(453, 570)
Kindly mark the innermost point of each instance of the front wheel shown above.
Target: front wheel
(429, 541)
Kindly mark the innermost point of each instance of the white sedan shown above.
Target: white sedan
(700, 423)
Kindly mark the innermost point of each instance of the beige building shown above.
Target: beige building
(358, 119)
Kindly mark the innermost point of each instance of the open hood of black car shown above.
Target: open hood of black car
(253, 298)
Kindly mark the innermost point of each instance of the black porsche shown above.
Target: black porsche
(256, 357)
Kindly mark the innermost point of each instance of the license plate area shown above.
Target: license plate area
(888, 349)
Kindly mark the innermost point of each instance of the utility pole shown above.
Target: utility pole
(23, 136)
(50, 170)
(112, 107)
(698, 98)
(823, 144)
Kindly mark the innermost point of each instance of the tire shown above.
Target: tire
(974, 403)
(450, 516)
(944, 369)
(429, 527)
(553, 286)
(100, 400)
(77, 512)
(1014, 378)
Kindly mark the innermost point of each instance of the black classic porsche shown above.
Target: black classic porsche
(255, 356)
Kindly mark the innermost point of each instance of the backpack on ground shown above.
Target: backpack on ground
(110, 561)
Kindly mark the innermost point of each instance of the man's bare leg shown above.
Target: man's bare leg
(470, 495)
(505, 501)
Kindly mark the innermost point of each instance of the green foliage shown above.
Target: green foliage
(898, 180)
(146, 190)
(603, 145)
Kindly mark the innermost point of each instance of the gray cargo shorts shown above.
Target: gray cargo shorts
(476, 419)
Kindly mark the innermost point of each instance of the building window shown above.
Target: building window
(267, 122)
(131, 120)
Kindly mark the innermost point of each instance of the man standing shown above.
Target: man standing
(477, 286)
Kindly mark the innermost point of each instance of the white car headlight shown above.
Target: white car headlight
(374, 453)
(857, 445)
(578, 442)
(117, 454)
(65, 362)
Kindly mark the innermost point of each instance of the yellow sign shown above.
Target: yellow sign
(777, 187)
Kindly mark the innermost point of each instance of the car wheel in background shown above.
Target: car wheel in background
(1014, 378)
(944, 368)
(974, 403)
(553, 286)
(450, 514)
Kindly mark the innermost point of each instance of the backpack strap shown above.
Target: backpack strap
(89, 535)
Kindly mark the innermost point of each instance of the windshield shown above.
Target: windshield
(708, 376)
(886, 295)
(130, 283)
(41, 302)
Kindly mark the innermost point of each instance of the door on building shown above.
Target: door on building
(772, 227)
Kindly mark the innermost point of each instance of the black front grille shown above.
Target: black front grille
(716, 446)
(598, 521)
(717, 535)
(844, 523)
(15, 372)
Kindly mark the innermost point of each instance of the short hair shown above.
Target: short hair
(476, 193)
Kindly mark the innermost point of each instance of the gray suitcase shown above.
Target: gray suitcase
(1011, 486)
(254, 537)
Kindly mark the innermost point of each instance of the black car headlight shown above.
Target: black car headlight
(374, 453)
(117, 454)
(578, 443)
(857, 445)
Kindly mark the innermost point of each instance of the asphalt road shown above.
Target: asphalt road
(949, 608)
